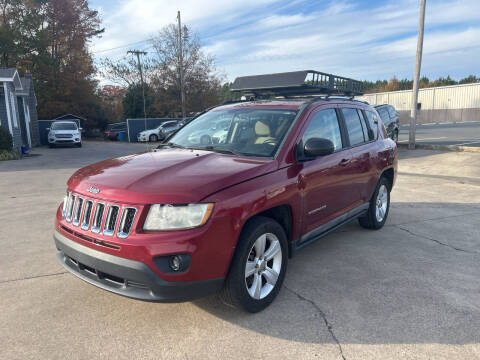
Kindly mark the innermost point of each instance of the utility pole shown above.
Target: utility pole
(416, 78)
(180, 62)
(138, 53)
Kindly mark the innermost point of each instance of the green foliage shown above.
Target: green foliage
(133, 102)
(48, 38)
(395, 85)
(7, 155)
(6, 140)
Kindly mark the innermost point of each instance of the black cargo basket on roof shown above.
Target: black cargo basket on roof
(297, 83)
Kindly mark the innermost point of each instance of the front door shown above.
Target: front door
(326, 180)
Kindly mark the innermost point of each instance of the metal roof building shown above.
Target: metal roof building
(454, 103)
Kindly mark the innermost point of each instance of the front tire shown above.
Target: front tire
(258, 266)
(377, 213)
(395, 136)
(153, 138)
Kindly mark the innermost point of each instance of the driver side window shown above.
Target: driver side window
(324, 124)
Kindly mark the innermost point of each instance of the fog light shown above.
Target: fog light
(175, 263)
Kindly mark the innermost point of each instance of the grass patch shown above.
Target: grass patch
(8, 155)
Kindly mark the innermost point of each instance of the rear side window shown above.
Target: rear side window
(354, 126)
(324, 124)
(372, 119)
(383, 114)
(392, 112)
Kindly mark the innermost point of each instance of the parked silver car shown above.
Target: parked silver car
(159, 133)
(64, 132)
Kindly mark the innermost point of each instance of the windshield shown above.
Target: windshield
(64, 126)
(252, 132)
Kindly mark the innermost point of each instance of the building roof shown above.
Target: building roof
(70, 116)
(11, 75)
(26, 83)
(7, 72)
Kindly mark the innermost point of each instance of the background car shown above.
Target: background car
(111, 133)
(63, 133)
(389, 116)
(215, 135)
(159, 133)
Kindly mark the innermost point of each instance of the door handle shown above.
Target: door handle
(344, 162)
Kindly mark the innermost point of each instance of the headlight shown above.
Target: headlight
(177, 217)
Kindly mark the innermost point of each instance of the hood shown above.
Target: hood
(64, 131)
(167, 176)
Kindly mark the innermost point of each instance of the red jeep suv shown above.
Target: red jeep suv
(224, 215)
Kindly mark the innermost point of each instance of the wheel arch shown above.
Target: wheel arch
(282, 214)
(389, 174)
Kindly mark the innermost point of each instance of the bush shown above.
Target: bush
(6, 140)
(7, 155)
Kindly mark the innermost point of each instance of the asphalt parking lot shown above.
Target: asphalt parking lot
(457, 134)
(409, 291)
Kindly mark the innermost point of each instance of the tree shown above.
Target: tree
(161, 73)
(133, 102)
(49, 38)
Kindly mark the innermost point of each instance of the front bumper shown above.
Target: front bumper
(64, 140)
(127, 277)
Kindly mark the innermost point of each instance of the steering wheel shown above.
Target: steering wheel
(205, 140)
(271, 141)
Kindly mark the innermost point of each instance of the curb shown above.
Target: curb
(442, 147)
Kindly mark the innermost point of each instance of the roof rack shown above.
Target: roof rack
(297, 83)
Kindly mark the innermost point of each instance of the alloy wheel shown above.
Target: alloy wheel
(381, 203)
(263, 266)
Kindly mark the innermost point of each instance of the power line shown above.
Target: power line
(121, 46)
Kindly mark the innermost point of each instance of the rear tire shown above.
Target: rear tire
(153, 138)
(258, 266)
(377, 213)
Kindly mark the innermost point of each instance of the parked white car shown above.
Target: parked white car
(159, 133)
(64, 132)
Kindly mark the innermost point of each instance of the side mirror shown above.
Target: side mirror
(315, 147)
(48, 129)
(80, 129)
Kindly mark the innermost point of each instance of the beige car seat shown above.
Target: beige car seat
(262, 132)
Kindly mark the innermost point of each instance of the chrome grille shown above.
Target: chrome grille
(77, 212)
(70, 204)
(63, 136)
(111, 220)
(126, 222)
(87, 214)
(97, 216)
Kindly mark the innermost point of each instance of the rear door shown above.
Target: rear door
(363, 147)
(325, 182)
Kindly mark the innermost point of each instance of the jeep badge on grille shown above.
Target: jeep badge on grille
(93, 190)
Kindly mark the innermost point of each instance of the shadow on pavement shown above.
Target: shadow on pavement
(413, 282)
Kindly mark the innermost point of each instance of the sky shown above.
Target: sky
(362, 39)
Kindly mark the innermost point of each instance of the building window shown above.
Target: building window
(13, 110)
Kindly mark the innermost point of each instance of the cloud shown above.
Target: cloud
(345, 37)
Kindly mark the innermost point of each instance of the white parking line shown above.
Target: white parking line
(469, 143)
(438, 138)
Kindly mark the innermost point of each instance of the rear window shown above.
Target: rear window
(354, 126)
(391, 111)
(383, 114)
(373, 122)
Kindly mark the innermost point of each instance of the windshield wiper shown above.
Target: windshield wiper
(222, 150)
(173, 145)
